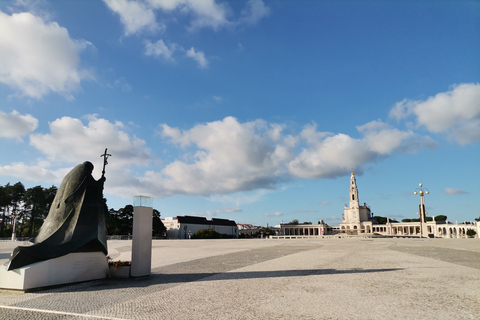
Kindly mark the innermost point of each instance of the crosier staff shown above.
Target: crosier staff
(105, 156)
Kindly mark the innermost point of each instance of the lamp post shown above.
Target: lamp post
(14, 233)
(421, 191)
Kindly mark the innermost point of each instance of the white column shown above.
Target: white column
(142, 237)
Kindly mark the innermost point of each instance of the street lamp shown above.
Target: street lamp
(14, 234)
(421, 191)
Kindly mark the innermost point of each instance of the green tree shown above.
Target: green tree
(35, 201)
(383, 220)
(4, 203)
(120, 221)
(14, 196)
(266, 232)
(471, 233)
(380, 220)
(206, 234)
(159, 228)
(111, 221)
(293, 222)
(50, 194)
(440, 218)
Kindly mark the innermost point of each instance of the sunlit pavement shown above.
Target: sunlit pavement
(356, 278)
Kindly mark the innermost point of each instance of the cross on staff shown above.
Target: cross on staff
(105, 156)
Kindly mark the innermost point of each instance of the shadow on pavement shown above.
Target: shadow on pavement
(175, 278)
(172, 279)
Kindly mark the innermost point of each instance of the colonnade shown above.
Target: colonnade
(389, 229)
(453, 231)
(303, 231)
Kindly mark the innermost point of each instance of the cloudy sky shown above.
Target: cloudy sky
(251, 110)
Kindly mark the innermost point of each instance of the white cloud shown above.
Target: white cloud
(217, 212)
(240, 198)
(229, 210)
(455, 113)
(254, 11)
(275, 214)
(38, 57)
(139, 15)
(198, 56)
(160, 49)
(15, 125)
(40, 8)
(70, 142)
(135, 16)
(37, 172)
(205, 13)
(167, 51)
(122, 84)
(332, 218)
(231, 157)
(221, 159)
(381, 138)
(218, 99)
(454, 191)
(329, 155)
(311, 136)
(402, 109)
(73, 142)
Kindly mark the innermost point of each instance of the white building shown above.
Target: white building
(357, 221)
(186, 226)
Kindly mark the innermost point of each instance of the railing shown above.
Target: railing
(129, 237)
(19, 239)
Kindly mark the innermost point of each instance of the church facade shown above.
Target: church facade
(357, 221)
(356, 218)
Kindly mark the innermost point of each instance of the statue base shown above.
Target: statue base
(71, 268)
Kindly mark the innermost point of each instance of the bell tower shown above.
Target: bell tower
(354, 203)
(356, 217)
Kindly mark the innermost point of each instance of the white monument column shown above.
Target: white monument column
(142, 236)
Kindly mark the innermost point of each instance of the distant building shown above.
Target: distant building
(248, 230)
(357, 221)
(183, 227)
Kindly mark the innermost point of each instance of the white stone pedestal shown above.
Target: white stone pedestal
(142, 239)
(71, 268)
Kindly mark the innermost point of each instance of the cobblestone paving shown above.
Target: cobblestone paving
(307, 279)
(94, 295)
(472, 259)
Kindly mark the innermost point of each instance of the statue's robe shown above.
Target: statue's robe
(75, 221)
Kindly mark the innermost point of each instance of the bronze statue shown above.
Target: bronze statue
(75, 221)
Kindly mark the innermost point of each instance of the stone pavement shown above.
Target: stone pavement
(355, 278)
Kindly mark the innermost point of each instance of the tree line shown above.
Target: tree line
(30, 208)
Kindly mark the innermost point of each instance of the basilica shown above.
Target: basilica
(357, 221)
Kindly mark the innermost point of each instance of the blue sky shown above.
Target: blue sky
(254, 110)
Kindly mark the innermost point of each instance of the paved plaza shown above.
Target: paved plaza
(354, 278)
